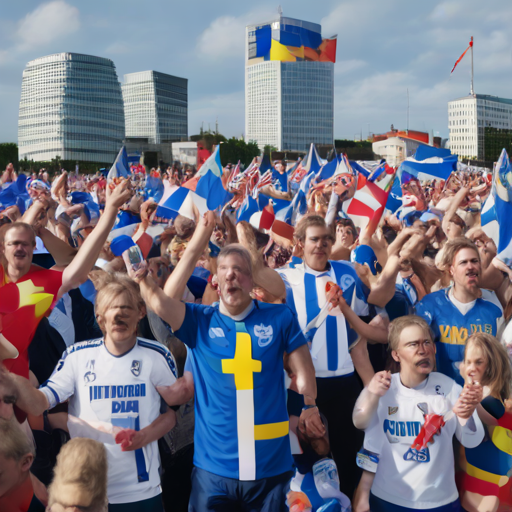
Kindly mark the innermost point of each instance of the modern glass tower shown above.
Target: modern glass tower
(155, 107)
(72, 107)
(289, 84)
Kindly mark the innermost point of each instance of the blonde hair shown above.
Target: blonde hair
(452, 248)
(399, 324)
(111, 285)
(14, 443)
(80, 476)
(498, 374)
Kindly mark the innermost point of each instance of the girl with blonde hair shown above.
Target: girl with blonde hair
(486, 480)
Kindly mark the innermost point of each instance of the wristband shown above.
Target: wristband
(306, 407)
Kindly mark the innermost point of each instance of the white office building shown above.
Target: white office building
(155, 106)
(72, 107)
(469, 116)
(289, 98)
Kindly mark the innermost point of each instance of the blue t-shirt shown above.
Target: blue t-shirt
(452, 328)
(241, 421)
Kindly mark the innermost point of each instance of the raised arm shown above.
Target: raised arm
(450, 231)
(368, 400)
(76, 272)
(175, 284)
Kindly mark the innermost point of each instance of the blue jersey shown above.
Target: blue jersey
(452, 328)
(241, 421)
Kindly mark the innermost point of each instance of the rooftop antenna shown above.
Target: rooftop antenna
(280, 11)
(472, 91)
(407, 110)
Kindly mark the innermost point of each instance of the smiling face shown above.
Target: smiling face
(475, 363)
(235, 282)
(465, 269)
(415, 352)
(317, 247)
(18, 248)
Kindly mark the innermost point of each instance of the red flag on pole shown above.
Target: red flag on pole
(460, 58)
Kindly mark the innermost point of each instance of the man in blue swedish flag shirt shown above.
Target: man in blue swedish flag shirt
(242, 451)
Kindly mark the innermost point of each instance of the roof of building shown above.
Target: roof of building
(487, 97)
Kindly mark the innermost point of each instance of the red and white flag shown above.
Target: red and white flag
(460, 58)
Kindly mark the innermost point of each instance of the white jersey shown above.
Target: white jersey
(107, 390)
(418, 479)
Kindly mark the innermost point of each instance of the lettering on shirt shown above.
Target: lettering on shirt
(125, 406)
(113, 392)
(402, 428)
(454, 335)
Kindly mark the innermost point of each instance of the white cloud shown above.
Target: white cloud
(48, 22)
(224, 38)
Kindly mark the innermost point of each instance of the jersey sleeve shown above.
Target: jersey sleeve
(294, 338)
(374, 434)
(188, 331)
(422, 309)
(188, 362)
(163, 371)
(290, 302)
(61, 384)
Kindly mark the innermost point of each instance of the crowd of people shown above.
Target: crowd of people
(196, 360)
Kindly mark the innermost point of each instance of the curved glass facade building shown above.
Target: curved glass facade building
(72, 107)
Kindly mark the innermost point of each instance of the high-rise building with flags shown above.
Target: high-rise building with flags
(71, 106)
(155, 107)
(474, 121)
(289, 84)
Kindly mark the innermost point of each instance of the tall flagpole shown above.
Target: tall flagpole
(472, 92)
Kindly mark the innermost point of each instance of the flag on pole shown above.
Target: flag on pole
(497, 210)
(460, 58)
(210, 185)
(120, 168)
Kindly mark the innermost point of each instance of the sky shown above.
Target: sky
(385, 48)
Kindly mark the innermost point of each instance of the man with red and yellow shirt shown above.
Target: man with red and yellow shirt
(29, 292)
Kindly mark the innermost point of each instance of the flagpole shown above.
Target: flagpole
(472, 92)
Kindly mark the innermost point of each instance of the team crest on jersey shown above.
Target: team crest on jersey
(346, 282)
(392, 410)
(264, 334)
(216, 332)
(136, 367)
(90, 376)
(422, 455)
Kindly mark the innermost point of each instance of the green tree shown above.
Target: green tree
(234, 150)
(268, 150)
(8, 154)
